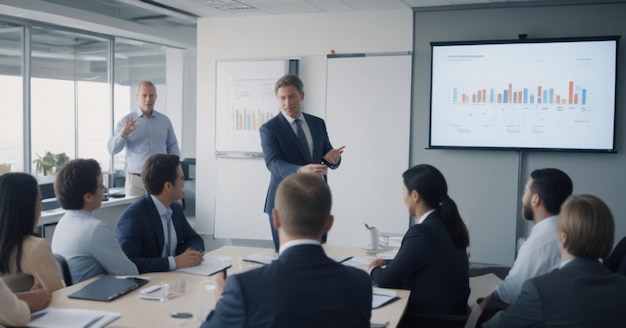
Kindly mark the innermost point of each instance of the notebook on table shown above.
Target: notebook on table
(108, 288)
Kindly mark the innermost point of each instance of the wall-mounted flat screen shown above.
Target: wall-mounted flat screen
(531, 94)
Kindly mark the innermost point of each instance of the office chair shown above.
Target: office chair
(616, 261)
(64, 269)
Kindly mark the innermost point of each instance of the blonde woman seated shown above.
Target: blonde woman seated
(16, 308)
(25, 260)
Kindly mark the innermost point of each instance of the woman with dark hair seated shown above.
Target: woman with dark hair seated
(25, 260)
(432, 260)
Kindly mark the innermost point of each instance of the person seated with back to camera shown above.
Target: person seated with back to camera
(88, 245)
(432, 260)
(582, 292)
(303, 287)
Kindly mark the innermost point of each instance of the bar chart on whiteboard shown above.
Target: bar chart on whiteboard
(244, 101)
(251, 103)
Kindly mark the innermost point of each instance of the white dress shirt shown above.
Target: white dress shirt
(173, 239)
(538, 255)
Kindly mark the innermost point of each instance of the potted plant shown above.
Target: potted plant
(50, 163)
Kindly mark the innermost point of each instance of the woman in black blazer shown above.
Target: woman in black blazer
(432, 260)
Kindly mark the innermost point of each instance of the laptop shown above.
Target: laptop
(108, 288)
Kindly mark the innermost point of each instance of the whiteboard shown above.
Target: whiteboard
(244, 100)
(241, 188)
(368, 108)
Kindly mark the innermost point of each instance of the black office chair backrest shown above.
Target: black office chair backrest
(616, 261)
(64, 269)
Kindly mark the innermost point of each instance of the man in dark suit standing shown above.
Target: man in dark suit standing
(302, 287)
(294, 142)
(582, 292)
(153, 231)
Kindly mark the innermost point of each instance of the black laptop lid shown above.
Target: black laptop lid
(107, 288)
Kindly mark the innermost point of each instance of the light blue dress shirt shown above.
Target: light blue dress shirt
(152, 135)
(540, 254)
(165, 222)
(89, 247)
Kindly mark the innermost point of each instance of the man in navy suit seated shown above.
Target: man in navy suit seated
(302, 287)
(153, 231)
(582, 292)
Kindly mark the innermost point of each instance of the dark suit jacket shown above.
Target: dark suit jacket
(302, 288)
(432, 267)
(140, 234)
(283, 152)
(616, 262)
(581, 294)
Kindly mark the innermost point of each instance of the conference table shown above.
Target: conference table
(193, 296)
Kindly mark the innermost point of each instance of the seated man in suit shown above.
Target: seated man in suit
(544, 193)
(302, 287)
(582, 292)
(153, 231)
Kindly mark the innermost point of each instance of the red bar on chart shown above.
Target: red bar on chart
(571, 92)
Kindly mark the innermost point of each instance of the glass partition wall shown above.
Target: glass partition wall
(11, 86)
(69, 84)
(63, 91)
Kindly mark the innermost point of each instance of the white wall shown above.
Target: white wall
(309, 37)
